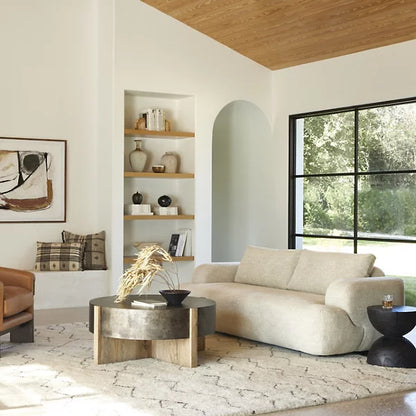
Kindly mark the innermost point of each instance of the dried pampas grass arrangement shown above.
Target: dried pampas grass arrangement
(148, 265)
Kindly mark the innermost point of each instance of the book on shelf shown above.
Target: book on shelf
(149, 303)
(173, 244)
(181, 244)
(187, 251)
(155, 119)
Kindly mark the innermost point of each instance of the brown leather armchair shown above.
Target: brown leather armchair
(17, 288)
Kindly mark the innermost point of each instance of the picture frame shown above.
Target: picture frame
(32, 180)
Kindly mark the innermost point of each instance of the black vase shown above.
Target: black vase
(174, 297)
(164, 201)
(137, 198)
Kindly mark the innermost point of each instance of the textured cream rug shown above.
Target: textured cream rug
(56, 375)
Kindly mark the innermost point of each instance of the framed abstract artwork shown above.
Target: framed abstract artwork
(32, 180)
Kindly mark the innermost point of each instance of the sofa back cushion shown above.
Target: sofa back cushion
(316, 270)
(267, 267)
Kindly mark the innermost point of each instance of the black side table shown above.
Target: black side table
(392, 349)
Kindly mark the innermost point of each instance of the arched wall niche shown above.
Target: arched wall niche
(243, 197)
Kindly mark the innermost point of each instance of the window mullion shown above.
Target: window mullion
(356, 133)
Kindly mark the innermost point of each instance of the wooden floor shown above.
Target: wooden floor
(397, 404)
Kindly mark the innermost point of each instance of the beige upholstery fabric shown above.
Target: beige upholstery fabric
(215, 272)
(332, 322)
(267, 267)
(354, 295)
(316, 270)
(376, 272)
(286, 318)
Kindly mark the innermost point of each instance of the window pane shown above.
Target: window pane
(387, 206)
(326, 143)
(325, 244)
(325, 206)
(387, 138)
(395, 259)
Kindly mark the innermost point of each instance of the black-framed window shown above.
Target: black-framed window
(352, 182)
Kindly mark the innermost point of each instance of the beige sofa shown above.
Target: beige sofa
(311, 301)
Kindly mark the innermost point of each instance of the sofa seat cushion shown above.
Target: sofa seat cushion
(289, 319)
(16, 299)
(316, 270)
(267, 267)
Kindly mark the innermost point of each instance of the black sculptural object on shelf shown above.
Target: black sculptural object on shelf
(137, 198)
(164, 201)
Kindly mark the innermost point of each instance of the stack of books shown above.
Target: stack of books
(180, 243)
(154, 119)
(149, 303)
(139, 209)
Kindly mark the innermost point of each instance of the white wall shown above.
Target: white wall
(376, 75)
(243, 197)
(48, 89)
(65, 66)
(157, 53)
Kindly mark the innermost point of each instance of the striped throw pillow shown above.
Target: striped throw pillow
(59, 256)
(94, 254)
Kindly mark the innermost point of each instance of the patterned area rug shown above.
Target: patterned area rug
(56, 375)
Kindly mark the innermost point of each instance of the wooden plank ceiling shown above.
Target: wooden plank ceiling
(283, 33)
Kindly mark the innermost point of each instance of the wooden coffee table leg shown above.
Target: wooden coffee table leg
(111, 350)
(183, 351)
(201, 344)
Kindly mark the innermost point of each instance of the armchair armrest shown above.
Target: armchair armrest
(354, 295)
(1, 304)
(215, 272)
(15, 277)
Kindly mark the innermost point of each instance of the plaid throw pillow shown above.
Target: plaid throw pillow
(59, 256)
(94, 253)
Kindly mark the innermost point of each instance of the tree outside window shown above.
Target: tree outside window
(353, 183)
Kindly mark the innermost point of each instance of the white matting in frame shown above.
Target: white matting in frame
(32, 180)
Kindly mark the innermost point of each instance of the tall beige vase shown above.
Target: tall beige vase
(138, 158)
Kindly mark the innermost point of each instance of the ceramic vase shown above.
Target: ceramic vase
(170, 160)
(138, 158)
(137, 198)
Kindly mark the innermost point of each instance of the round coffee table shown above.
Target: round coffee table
(172, 333)
(392, 350)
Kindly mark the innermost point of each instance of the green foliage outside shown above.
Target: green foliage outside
(409, 290)
(386, 202)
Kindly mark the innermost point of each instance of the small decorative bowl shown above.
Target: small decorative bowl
(174, 297)
(158, 168)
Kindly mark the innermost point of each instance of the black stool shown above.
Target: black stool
(392, 350)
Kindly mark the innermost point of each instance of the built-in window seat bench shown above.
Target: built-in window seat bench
(63, 289)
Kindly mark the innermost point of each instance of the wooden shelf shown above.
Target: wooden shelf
(160, 134)
(159, 217)
(158, 175)
(132, 259)
(181, 140)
